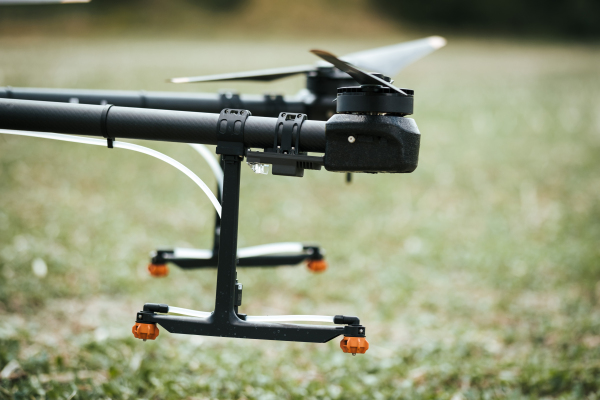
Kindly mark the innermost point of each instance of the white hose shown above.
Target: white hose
(128, 146)
(189, 313)
(290, 318)
(212, 163)
(273, 248)
(244, 252)
(258, 318)
(200, 254)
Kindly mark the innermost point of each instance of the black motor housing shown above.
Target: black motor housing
(371, 143)
(374, 99)
(370, 134)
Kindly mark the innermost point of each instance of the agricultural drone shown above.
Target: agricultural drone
(355, 120)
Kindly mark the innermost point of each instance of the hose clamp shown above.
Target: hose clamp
(103, 126)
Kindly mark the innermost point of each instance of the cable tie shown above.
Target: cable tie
(104, 128)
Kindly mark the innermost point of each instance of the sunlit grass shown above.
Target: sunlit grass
(477, 275)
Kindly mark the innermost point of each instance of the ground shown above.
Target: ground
(477, 275)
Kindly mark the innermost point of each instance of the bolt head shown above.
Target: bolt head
(351, 139)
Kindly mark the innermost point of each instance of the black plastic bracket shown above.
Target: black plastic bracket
(274, 104)
(230, 131)
(285, 164)
(103, 126)
(288, 127)
(286, 158)
(230, 100)
(143, 99)
(355, 331)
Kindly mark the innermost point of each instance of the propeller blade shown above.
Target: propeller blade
(389, 60)
(362, 77)
(265, 75)
(32, 2)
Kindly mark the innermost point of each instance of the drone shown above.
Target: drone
(356, 121)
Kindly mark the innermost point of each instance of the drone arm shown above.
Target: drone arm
(146, 124)
(267, 105)
(354, 143)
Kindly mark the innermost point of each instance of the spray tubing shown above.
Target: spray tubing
(212, 163)
(128, 146)
(257, 318)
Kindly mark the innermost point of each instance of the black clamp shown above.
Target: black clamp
(353, 327)
(288, 126)
(286, 158)
(143, 99)
(230, 131)
(230, 100)
(355, 331)
(103, 126)
(274, 104)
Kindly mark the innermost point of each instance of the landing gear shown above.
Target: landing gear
(226, 320)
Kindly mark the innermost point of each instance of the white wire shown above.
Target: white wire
(258, 318)
(128, 146)
(244, 252)
(201, 254)
(212, 163)
(290, 318)
(272, 248)
(190, 313)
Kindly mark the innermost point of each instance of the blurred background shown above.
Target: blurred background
(477, 275)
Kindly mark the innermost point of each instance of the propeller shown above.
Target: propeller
(265, 75)
(32, 2)
(388, 60)
(360, 76)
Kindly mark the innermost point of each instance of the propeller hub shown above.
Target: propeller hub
(374, 99)
(325, 81)
(382, 76)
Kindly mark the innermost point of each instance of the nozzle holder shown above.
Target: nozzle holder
(374, 99)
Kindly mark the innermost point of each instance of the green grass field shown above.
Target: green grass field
(478, 276)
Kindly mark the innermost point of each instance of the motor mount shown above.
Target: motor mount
(369, 132)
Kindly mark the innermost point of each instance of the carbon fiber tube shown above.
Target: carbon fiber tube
(147, 124)
(259, 131)
(266, 106)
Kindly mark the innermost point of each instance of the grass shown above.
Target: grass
(477, 276)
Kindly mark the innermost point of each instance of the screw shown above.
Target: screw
(351, 139)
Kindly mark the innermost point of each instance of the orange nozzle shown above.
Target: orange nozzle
(145, 331)
(354, 345)
(158, 270)
(317, 265)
